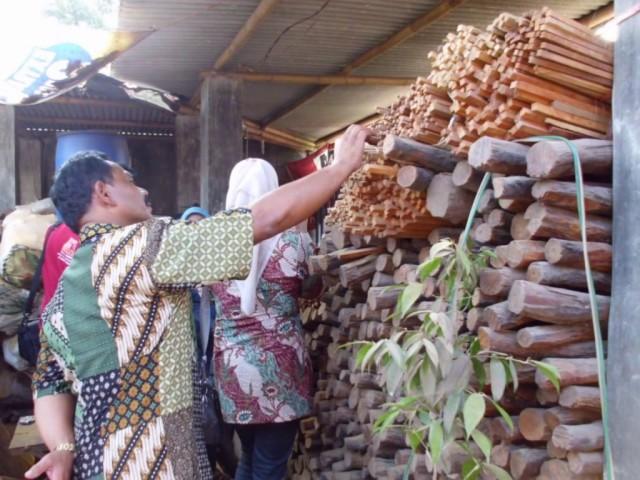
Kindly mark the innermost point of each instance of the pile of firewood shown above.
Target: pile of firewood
(532, 75)
(388, 196)
(533, 303)
(339, 442)
(421, 115)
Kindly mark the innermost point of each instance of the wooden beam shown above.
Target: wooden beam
(314, 79)
(598, 17)
(60, 122)
(242, 37)
(445, 7)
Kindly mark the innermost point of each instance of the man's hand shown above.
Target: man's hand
(56, 465)
(350, 147)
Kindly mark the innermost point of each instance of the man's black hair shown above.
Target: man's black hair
(73, 186)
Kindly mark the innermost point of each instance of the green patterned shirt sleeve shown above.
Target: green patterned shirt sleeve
(214, 249)
(48, 379)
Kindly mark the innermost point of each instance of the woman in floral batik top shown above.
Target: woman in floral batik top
(263, 373)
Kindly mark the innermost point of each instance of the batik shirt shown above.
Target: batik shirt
(262, 371)
(118, 335)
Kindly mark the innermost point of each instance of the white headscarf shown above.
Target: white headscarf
(250, 180)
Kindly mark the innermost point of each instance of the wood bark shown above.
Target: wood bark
(405, 150)
(445, 200)
(414, 178)
(571, 371)
(523, 252)
(513, 187)
(568, 253)
(545, 273)
(498, 156)
(554, 305)
(549, 222)
(465, 176)
(598, 200)
(553, 159)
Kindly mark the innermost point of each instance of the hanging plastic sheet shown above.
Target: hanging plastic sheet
(55, 60)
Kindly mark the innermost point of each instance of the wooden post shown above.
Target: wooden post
(220, 139)
(29, 169)
(187, 160)
(7, 157)
(624, 330)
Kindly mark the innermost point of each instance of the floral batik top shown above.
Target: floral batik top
(262, 370)
(118, 335)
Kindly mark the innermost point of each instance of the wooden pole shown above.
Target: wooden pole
(220, 139)
(313, 79)
(7, 157)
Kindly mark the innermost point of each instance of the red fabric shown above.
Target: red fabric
(302, 168)
(61, 246)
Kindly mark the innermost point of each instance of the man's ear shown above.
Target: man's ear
(102, 194)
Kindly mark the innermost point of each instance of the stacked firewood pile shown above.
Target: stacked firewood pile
(388, 196)
(532, 75)
(339, 442)
(422, 115)
(533, 303)
(538, 74)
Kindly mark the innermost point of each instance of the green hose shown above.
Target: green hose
(595, 316)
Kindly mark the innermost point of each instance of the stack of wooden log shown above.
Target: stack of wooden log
(532, 75)
(388, 197)
(339, 443)
(533, 303)
(421, 115)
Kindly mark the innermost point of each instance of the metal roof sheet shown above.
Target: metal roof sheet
(193, 33)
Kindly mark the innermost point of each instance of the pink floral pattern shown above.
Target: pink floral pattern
(263, 372)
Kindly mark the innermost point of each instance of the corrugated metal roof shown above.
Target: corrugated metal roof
(193, 33)
(98, 105)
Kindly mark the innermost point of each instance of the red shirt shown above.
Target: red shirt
(61, 246)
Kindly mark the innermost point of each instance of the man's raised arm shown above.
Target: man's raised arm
(290, 204)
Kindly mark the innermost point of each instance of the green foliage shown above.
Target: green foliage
(437, 372)
(91, 13)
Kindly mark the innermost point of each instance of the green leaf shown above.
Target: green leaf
(428, 268)
(514, 374)
(393, 373)
(385, 420)
(451, 410)
(481, 374)
(407, 402)
(396, 352)
(408, 297)
(414, 439)
(550, 372)
(473, 412)
(432, 352)
(483, 442)
(370, 353)
(427, 380)
(503, 413)
(497, 472)
(425, 418)
(436, 438)
(470, 469)
(407, 468)
(474, 347)
(362, 353)
(498, 378)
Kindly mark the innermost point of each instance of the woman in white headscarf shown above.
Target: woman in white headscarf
(263, 373)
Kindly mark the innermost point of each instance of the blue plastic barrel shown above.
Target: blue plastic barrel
(113, 145)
